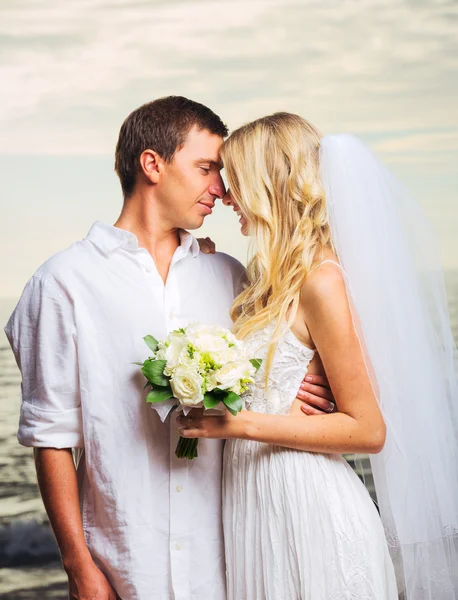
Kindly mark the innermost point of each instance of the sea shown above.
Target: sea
(29, 561)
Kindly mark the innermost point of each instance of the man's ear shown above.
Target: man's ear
(151, 165)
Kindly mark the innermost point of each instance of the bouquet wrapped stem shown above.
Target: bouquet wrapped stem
(187, 448)
(199, 366)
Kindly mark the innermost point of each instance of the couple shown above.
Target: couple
(335, 290)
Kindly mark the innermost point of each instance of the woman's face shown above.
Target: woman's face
(228, 200)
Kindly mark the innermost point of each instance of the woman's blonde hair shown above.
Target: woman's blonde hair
(272, 168)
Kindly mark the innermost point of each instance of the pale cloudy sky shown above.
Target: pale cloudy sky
(71, 71)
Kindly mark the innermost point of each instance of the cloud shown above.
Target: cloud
(72, 71)
(434, 149)
(386, 70)
(435, 140)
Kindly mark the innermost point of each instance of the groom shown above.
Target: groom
(131, 520)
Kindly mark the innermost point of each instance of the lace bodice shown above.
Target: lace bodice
(289, 367)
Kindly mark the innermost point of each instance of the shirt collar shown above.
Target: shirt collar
(109, 238)
(189, 243)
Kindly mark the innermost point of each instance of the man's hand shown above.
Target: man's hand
(206, 245)
(89, 583)
(316, 396)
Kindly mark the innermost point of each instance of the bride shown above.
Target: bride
(343, 282)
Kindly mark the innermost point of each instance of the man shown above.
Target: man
(132, 521)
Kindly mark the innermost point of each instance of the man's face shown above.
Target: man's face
(191, 183)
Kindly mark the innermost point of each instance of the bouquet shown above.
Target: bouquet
(198, 366)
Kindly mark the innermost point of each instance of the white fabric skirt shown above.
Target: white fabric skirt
(300, 526)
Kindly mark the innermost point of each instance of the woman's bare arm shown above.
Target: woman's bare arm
(358, 426)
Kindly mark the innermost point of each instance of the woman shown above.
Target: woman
(332, 288)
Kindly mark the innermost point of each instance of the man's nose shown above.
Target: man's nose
(217, 188)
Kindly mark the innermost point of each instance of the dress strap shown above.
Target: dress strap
(327, 261)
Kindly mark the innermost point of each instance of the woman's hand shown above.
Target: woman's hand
(207, 245)
(198, 425)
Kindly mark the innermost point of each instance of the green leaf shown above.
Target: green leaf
(137, 363)
(211, 400)
(153, 370)
(159, 395)
(233, 403)
(151, 342)
(256, 362)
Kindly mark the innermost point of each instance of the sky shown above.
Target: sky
(70, 72)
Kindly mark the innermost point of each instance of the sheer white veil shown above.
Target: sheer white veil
(396, 290)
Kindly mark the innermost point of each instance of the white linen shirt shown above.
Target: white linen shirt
(152, 521)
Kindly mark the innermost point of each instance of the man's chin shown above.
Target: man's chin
(195, 223)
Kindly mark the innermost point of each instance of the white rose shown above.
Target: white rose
(231, 339)
(185, 359)
(187, 386)
(237, 389)
(160, 354)
(235, 351)
(231, 373)
(207, 342)
(211, 380)
(223, 356)
(175, 344)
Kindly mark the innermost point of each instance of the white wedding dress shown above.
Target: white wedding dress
(297, 525)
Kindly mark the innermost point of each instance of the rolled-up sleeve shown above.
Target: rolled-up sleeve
(42, 334)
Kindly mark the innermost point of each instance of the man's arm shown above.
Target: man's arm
(59, 489)
(42, 334)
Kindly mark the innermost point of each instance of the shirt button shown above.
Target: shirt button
(179, 488)
(178, 546)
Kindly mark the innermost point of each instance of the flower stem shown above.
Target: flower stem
(187, 448)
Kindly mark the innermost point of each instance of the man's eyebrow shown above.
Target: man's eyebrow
(217, 163)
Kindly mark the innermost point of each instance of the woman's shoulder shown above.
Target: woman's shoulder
(324, 285)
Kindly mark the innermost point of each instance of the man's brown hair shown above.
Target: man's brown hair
(161, 125)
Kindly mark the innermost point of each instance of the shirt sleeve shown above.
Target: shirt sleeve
(42, 334)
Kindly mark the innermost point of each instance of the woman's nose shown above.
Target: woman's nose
(227, 199)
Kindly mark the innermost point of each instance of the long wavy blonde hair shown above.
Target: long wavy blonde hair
(272, 168)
